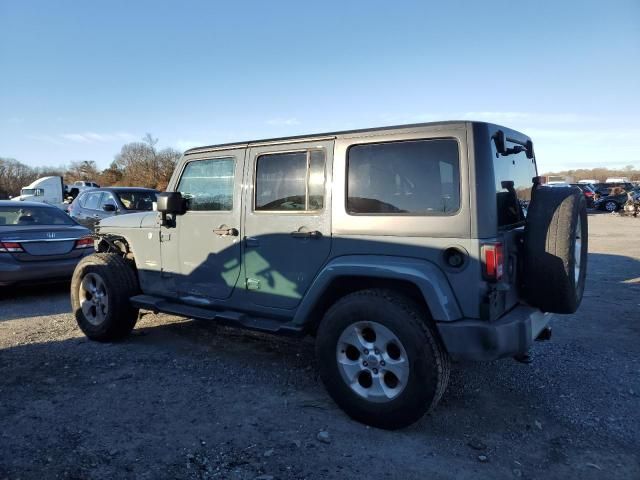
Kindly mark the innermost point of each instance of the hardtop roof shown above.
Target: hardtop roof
(314, 136)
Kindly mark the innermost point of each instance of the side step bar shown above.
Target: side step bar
(224, 317)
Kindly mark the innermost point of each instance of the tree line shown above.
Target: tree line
(138, 164)
(600, 174)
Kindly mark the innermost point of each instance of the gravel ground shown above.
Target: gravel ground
(184, 399)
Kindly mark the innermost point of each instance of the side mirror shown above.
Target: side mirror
(170, 203)
(109, 207)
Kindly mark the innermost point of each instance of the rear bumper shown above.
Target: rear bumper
(13, 271)
(481, 340)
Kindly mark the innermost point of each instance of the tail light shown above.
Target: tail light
(587, 193)
(492, 261)
(86, 242)
(11, 247)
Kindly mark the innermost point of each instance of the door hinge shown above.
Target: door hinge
(165, 237)
(253, 284)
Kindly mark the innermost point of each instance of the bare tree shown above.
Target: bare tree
(142, 165)
(86, 170)
(13, 176)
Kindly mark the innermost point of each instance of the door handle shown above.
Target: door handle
(223, 231)
(314, 234)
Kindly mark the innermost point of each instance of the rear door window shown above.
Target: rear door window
(420, 177)
(292, 181)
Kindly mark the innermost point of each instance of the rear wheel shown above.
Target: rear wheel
(380, 360)
(101, 287)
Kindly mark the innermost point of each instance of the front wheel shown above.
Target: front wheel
(610, 206)
(101, 287)
(380, 359)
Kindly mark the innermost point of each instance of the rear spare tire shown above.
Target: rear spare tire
(101, 287)
(555, 250)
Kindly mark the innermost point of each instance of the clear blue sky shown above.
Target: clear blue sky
(78, 79)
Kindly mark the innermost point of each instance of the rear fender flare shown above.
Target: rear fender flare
(429, 279)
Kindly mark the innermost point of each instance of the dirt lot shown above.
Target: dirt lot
(182, 399)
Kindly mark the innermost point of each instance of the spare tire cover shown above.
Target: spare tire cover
(554, 266)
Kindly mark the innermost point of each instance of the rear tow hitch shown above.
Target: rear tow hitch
(544, 335)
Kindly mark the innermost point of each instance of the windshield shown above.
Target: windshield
(516, 168)
(33, 216)
(136, 199)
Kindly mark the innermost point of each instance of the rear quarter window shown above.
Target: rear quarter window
(417, 177)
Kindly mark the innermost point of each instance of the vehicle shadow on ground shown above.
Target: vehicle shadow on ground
(34, 300)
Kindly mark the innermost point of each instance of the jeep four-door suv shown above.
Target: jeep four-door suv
(397, 248)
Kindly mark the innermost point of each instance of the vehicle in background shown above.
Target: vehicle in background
(49, 190)
(588, 192)
(632, 205)
(94, 205)
(80, 186)
(617, 180)
(606, 189)
(39, 242)
(556, 179)
(614, 201)
(588, 182)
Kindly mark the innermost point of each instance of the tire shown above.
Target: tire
(420, 359)
(555, 250)
(611, 206)
(111, 276)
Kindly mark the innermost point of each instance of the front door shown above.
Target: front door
(201, 251)
(287, 221)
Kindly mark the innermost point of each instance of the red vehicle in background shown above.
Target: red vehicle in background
(588, 191)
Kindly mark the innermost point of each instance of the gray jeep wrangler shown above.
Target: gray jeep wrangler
(398, 249)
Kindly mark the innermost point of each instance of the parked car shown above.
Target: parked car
(92, 206)
(398, 248)
(39, 242)
(613, 201)
(604, 189)
(588, 192)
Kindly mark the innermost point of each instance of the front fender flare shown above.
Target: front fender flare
(431, 281)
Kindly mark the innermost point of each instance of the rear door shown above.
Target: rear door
(201, 252)
(287, 220)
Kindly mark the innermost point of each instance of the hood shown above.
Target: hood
(129, 220)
